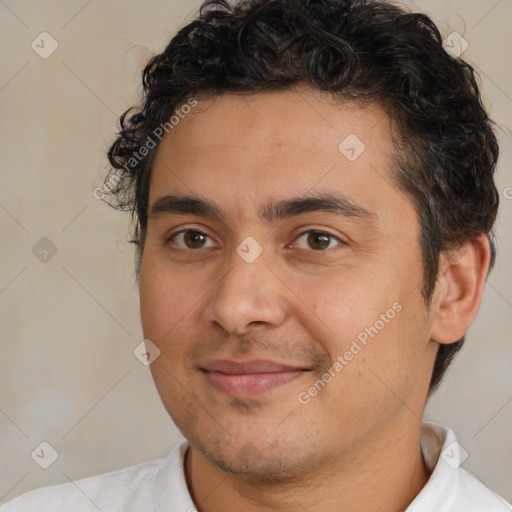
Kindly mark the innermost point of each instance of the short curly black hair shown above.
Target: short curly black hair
(361, 50)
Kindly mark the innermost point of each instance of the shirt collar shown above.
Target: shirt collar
(450, 488)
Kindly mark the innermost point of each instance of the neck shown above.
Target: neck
(383, 474)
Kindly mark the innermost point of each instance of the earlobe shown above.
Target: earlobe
(459, 289)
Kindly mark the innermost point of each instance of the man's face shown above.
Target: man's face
(291, 334)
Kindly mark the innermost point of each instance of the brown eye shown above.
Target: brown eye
(190, 239)
(194, 239)
(317, 240)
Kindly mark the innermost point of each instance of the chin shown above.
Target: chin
(251, 460)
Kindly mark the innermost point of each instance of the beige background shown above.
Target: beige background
(67, 372)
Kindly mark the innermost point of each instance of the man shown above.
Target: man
(314, 199)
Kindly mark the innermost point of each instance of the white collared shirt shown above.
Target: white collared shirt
(160, 486)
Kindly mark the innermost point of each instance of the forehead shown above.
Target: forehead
(276, 144)
(280, 118)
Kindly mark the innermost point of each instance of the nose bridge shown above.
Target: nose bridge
(249, 293)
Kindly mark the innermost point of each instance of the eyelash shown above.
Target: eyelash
(307, 232)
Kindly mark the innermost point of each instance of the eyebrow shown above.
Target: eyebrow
(277, 209)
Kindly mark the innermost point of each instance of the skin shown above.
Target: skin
(299, 303)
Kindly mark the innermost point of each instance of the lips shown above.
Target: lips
(247, 378)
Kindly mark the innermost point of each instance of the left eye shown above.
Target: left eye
(317, 240)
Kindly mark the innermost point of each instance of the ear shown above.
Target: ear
(459, 289)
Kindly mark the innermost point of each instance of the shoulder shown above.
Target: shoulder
(121, 490)
(475, 496)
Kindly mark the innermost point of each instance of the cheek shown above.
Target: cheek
(373, 321)
(338, 307)
(153, 302)
(165, 298)
(163, 313)
(171, 309)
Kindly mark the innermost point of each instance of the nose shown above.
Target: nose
(249, 296)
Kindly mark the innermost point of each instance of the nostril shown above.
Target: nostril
(257, 323)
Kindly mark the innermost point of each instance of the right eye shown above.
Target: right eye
(190, 239)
